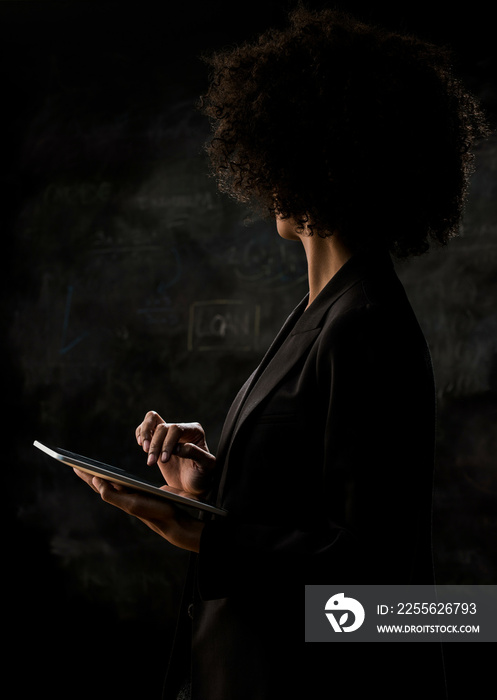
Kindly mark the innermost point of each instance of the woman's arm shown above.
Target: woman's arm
(178, 528)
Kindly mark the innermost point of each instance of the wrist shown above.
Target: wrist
(190, 533)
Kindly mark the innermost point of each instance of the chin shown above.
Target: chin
(287, 229)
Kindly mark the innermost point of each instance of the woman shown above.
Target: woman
(357, 141)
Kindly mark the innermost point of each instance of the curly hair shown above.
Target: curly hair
(347, 127)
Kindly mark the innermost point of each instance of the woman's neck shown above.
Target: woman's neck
(325, 256)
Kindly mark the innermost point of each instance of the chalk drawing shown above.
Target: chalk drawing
(158, 310)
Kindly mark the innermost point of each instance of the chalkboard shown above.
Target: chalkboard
(130, 284)
(453, 292)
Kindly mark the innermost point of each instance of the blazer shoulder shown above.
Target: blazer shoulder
(374, 313)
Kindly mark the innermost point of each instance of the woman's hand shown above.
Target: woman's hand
(169, 522)
(180, 451)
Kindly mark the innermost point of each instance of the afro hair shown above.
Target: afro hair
(347, 128)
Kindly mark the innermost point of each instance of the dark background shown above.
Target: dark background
(129, 284)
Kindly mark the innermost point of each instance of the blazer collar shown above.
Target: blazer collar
(352, 272)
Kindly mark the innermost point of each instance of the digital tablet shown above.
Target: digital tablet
(121, 476)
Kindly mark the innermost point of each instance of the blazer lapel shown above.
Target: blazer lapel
(289, 346)
(238, 403)
(288, 355)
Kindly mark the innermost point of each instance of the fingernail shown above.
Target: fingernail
(151, 459)
(164, 456)
(146, 445)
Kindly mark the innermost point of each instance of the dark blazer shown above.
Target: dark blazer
(326, 467)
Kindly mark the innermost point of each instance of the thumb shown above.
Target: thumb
(203, 459)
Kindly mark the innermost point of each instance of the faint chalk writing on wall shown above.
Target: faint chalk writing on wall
(222, 325)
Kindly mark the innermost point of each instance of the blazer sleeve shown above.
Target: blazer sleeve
(365, 516)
